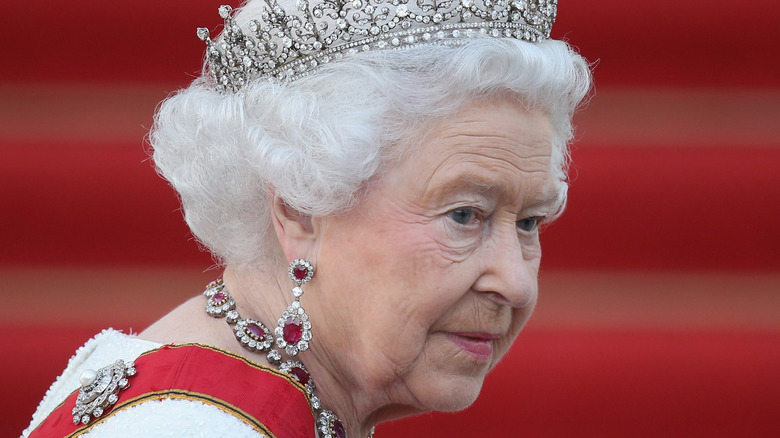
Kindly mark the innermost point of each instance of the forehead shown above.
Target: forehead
(487, 145)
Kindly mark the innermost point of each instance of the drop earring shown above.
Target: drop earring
(293, 330)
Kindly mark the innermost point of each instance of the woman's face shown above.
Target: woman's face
(423, 287)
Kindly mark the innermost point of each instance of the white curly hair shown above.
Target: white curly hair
(318, 140)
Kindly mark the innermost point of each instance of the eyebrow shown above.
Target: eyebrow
(467, 182)
(484, 185)
(549, 197)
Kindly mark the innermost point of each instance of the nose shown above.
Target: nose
(508, 270)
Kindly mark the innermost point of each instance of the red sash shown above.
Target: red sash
(271, 402)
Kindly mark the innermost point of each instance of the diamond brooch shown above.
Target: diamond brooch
(100, 390)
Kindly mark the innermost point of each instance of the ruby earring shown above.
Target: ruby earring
(293, 330)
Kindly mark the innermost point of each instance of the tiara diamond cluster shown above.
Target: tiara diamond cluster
(288, 44)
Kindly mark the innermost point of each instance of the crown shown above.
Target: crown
(288, 44)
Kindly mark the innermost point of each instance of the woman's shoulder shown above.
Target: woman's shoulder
(105, 348)
(188, 390)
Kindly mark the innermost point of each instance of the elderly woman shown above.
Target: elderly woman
(372, 175)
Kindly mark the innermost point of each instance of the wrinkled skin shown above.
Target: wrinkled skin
(421, 289)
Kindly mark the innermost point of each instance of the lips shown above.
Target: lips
(478, 345)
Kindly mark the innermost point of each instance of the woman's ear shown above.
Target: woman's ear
(294, 230)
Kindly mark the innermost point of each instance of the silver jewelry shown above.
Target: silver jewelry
(218, 303)
(99, 390)
(251, 334)
(255, 336)
(329, 426)
(288, 44)
(293, 330)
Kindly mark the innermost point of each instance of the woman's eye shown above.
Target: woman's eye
(463, 216)
(528, 224)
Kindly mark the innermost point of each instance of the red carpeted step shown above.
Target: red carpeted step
(675, 43)
(671, 208)
(89, 204)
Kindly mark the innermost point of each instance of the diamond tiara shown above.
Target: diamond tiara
(288, 44)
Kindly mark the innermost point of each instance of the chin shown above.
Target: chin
(450, 394)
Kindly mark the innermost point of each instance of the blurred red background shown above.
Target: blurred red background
(660, 287)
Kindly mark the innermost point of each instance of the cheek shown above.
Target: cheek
(519, 319)
(420, 253)
(425, 277)
(421, 283)
(532, 249)
(403, 277)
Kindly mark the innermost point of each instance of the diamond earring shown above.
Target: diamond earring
(293, 330)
